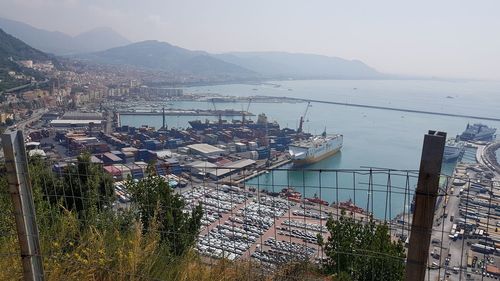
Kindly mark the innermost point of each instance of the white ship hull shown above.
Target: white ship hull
(315, 150)
(453, 150)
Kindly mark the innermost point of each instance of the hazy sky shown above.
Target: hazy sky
(446, 38)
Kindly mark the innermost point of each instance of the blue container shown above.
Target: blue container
(145, 155)
(280, 147)
(119, 154)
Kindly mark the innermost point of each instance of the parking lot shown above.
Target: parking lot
(239, 223)
(465, 240)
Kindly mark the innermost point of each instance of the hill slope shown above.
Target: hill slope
(164, 56)
(291, 65)
(99, 39)
(11, 50)
(62, 44)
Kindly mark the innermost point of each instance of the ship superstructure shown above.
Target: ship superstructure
(308, 149)
(315, 148)
(478, 132)
(453, 150)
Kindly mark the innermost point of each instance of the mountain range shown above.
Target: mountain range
(153, 54)
(103, 45)
(300, 66)
(59, 43)
(277, 65)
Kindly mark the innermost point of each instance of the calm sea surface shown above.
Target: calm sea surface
(372, 137)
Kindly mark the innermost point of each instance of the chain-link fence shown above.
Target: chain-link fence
(138, 221)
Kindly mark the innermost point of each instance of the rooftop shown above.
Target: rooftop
(240, 164)
(74, 121)
(76, 115)
(205, 148)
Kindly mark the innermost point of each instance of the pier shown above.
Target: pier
(262, 171)
(188, 112)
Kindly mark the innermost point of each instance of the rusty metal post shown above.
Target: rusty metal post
(24, 207)
(425, 202)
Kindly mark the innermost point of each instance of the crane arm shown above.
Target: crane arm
(302, 118)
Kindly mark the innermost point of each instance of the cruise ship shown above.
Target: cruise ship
(453, 150)
(478, 132)
(315, 148)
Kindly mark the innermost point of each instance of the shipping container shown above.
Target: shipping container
(143, 166)
(162, 168)
(240, 147)
(119, 154)
(124, 170)
(136, 171)
(145, 155)
(110, 158)
(114, 172)
(129, 149)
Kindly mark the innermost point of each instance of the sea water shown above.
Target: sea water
(372, 137)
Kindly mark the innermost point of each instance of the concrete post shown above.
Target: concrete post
(425, 202)
(24, 207)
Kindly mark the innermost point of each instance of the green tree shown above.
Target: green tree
(9, 122)
(343, 276)
(363, 250)
(82, 187)
(158, 205)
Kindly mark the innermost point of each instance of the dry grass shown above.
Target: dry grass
(72, 254)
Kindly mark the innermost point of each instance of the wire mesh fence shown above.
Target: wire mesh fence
(140, 221)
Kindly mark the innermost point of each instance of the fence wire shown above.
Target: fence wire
(119, 223)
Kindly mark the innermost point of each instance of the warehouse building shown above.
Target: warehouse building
(205, 150)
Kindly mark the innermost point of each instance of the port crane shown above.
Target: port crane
(219, 114)
(243, 114)
(302, 118)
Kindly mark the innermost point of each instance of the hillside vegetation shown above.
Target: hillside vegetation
(84, 236)
(11, 50)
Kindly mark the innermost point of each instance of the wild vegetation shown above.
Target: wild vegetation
(84, 236)
(362, 251)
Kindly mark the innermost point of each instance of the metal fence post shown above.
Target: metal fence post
(425, 202)
(24, 207)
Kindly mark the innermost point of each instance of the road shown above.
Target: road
(440, 231)
(21, 125)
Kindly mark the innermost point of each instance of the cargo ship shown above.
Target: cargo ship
(308, 149)
(262, 124)
(315, 148)
(453, 150)
(478, 132)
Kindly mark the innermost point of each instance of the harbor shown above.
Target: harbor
(268, 181)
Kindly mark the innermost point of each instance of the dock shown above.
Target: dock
(260, 172)
(188, 112)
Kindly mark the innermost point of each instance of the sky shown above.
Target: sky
(444, 38)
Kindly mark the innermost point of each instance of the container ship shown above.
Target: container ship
(453, 150)
(478, 132)
(315, 149)
(262, 124)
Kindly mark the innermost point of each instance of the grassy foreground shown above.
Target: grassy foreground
(133, 256)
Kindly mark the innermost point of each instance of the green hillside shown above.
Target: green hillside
(12, 50)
